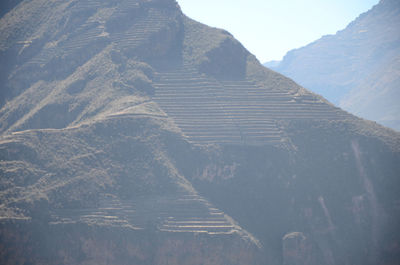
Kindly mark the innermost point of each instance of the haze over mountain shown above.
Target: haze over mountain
(358, 68)
(131, 134)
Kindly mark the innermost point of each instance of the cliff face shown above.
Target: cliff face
(131, 134)
(357, 68)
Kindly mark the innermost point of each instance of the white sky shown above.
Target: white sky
(270, 28)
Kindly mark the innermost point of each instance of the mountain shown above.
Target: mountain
(358, 68)
(131, 134)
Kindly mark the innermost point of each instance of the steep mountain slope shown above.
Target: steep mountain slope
(358, 67)
(131, 134)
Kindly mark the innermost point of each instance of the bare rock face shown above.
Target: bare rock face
(227, 61)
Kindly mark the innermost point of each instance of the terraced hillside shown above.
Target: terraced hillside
(131, 134)
(182, 212)
(212, 111)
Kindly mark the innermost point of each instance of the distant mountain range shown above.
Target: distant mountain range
(358, 68)
(132, 134)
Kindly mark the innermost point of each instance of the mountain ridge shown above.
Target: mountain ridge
(356, 68)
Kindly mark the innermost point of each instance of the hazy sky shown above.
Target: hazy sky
(270, 28)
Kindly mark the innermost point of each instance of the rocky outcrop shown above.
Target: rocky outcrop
(227, 61)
